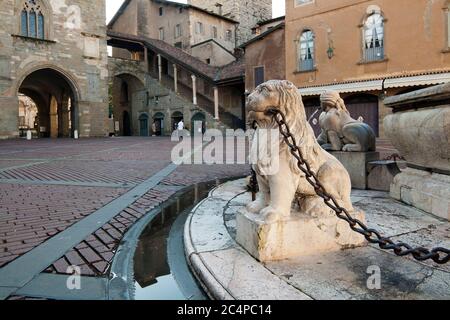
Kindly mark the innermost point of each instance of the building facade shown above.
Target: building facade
(247, 12)
(366, 50)
(265, 56)
(55, 53)
(201, 33)
(171, 62)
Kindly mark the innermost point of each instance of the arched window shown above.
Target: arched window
(306, 51)
(40, 24)
(24, 23)
(32, 20)
(374, 37)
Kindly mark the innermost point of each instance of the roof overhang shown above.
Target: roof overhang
(372, 85)
(377, 85)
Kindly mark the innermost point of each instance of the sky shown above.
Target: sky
(113, 5)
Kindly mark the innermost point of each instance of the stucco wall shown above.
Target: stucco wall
(268, 52)
(247, 12)
(217, 55)
(415, 38)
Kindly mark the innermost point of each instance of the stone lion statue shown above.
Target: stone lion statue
(340, 132)
(279, 189)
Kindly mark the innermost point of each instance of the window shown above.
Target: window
(229, 35)
(306, 49)
(259, 76)
(208, 61)
(32, 21)
(24, 23)
(373, 31)
(214, 32)
(199, 28)
(178, 31)
(40, 30)
(178, 45)
(161, 33)
(180, 10)
(161, 11)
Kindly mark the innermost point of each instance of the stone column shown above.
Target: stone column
(159, 68)
(64, 123)
(53, 118)
(146, 59)
(194, 89)
(216, 103)
(175, 78)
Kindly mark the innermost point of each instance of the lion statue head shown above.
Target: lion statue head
(274, 94)
(282, 95)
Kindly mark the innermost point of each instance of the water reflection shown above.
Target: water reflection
(153, 278)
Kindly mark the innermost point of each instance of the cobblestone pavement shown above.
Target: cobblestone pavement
(46, 186)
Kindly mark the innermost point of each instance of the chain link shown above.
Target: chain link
(438, 255)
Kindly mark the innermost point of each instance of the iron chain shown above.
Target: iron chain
(438, 255)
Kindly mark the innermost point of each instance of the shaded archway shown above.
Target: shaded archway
(129, 98)
(158, 124)
(56, 101)
(198, 117)
(364, 106)
(177, 116)
(126, 124)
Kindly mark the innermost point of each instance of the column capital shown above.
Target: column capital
(193, 77)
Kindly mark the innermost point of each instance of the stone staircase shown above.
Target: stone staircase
(227, 119)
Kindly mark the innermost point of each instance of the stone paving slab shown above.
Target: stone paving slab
(344, 276)
(82, 169)
(229, 272)
(29, 215)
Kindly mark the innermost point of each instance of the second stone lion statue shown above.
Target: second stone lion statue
(278, 190)
(340, 132)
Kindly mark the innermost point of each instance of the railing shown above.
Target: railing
(203, 102)
(374, 54)
(306, 65)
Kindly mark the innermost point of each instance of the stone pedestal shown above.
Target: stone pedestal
(356, 164)
(427, 191)
(419, 128)
(300, 235)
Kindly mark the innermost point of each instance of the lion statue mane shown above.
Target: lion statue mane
(279, 189)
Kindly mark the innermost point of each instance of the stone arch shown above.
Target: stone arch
(158, 120)
(198, 117)
(144, 124)
(177, 116)
(129, 99)
(56, 95)
(41, 66)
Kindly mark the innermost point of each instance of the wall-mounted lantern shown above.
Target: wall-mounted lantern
(330, 52)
